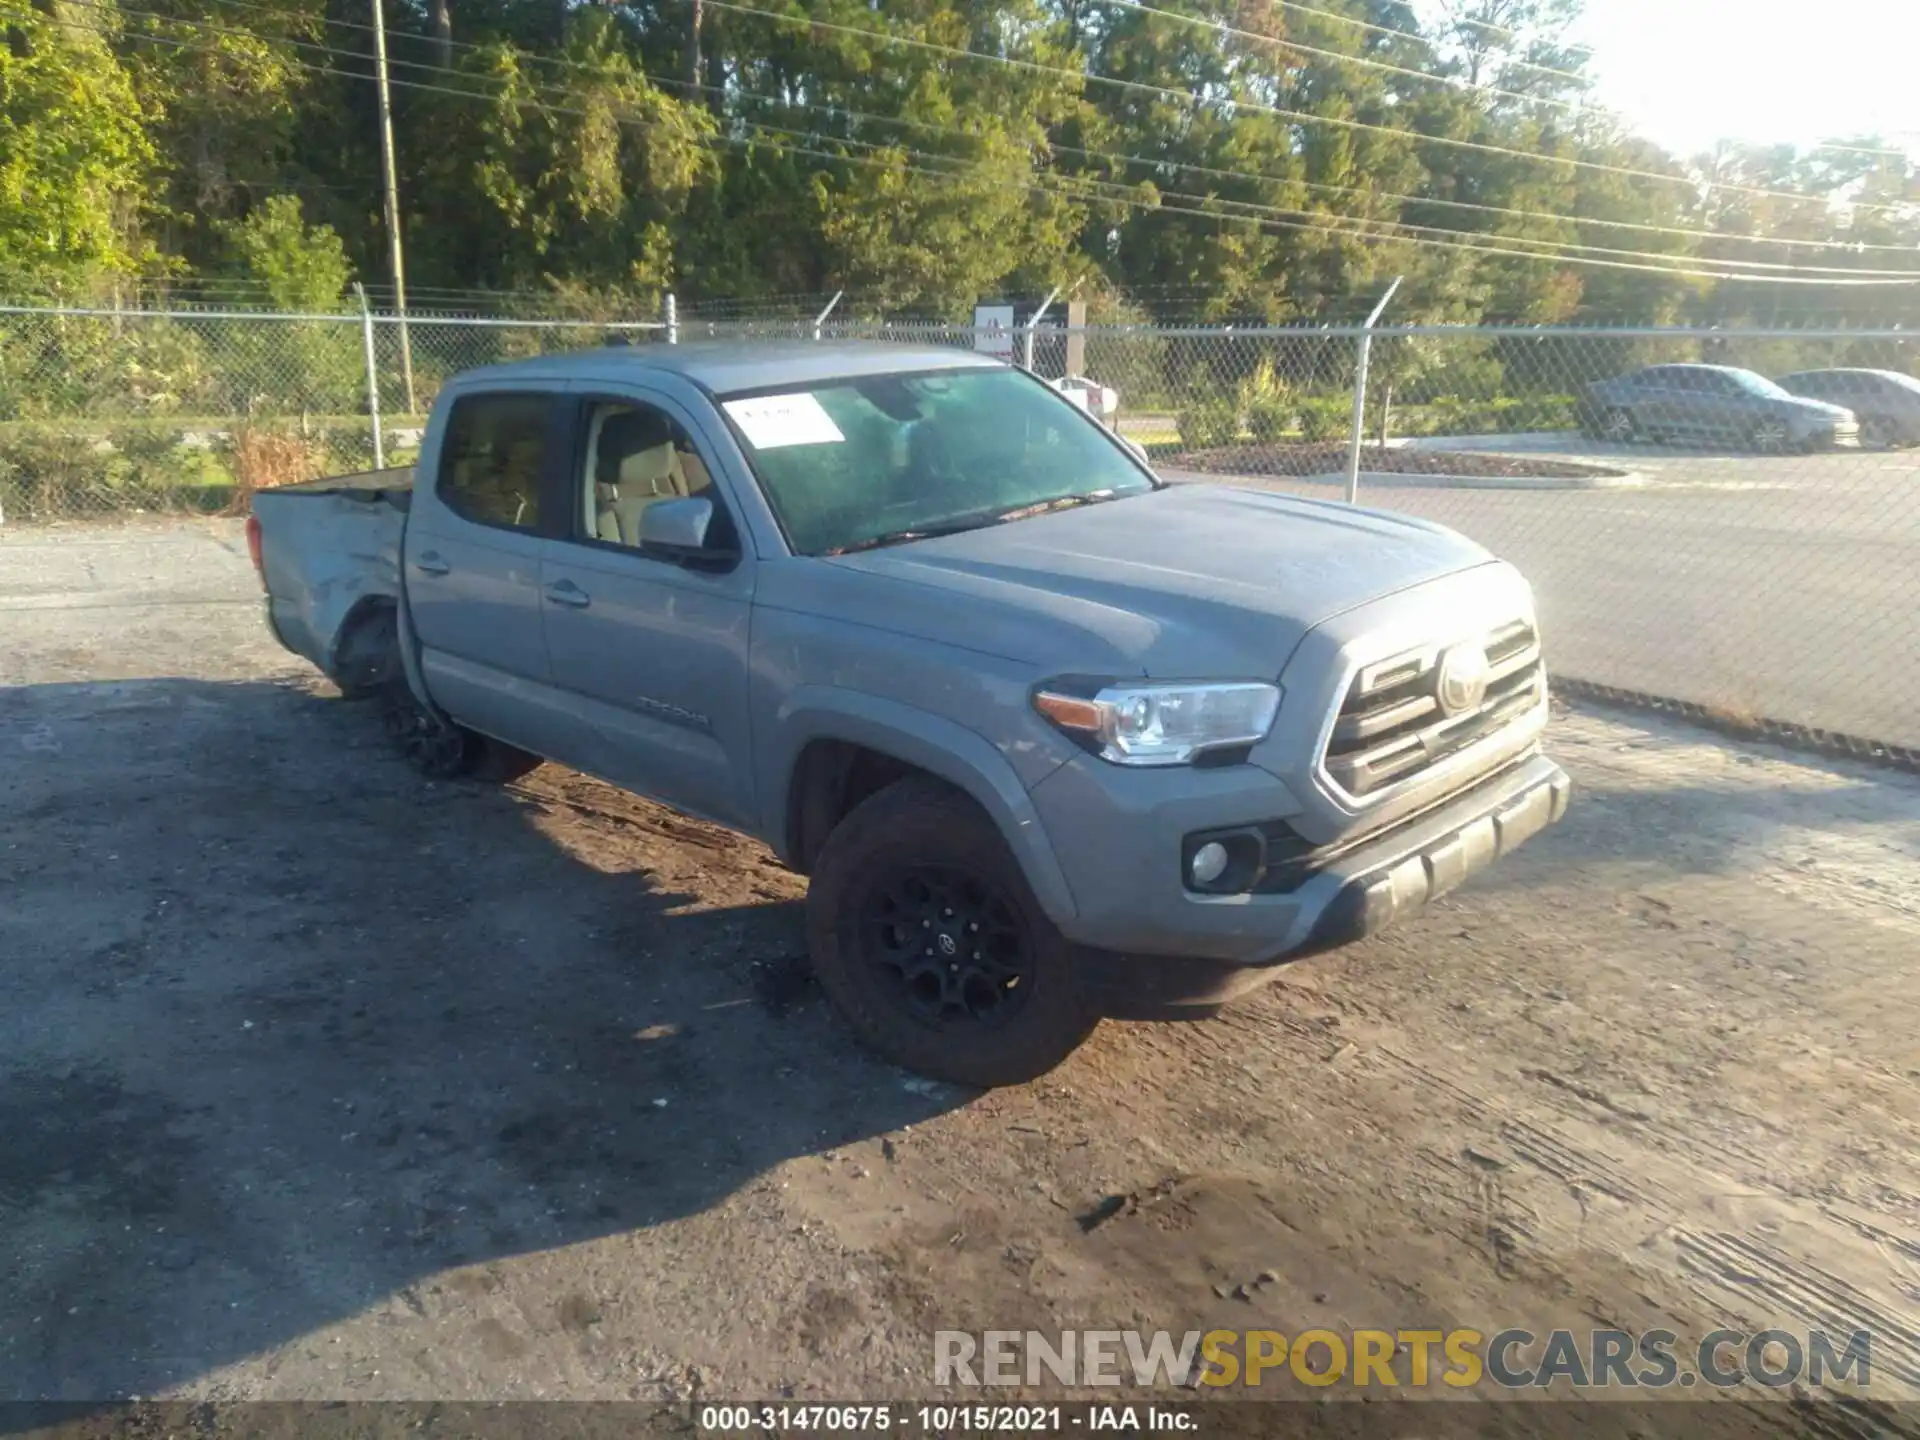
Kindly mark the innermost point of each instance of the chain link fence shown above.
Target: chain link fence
(106, 413)
(1704, 535)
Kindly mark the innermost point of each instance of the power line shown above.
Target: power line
(1266, 216)
(1452, 81)
(1300, 116)
(1556, 249)
(1506, 55)
(1455, 82)
(1163, 162)
(1390, 33)
(679, 83)
(1105, 192)
(1093, 190)
(1410, 229)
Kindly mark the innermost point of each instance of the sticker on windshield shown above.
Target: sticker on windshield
(771, 422)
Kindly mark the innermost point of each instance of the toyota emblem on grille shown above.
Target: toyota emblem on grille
(1463, 680)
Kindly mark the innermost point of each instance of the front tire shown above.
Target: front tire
(925, 934)
(1770, 437)
(1618, 426)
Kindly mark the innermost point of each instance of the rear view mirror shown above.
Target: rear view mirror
(681, 529)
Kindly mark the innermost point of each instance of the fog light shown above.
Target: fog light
(1209, 863)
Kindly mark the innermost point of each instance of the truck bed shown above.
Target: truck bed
(330, 561)
(394, 485)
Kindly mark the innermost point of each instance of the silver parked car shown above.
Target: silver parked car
(1886, 402)
(1713, 404)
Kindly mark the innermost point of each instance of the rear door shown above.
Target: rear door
(1685, 407)
(1813, 385)
(649, 653)
(478, 530)
(1651, 399)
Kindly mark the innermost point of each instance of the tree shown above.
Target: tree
(1242, 160)
(75, 159)
(300, 268)
(579, 173)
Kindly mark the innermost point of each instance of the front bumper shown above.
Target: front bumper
(1158, 947)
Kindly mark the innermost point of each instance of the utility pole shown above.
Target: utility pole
(395, 257)
(695, 19)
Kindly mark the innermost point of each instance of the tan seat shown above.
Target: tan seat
(695, 469)
(636, 463)
(651, 475)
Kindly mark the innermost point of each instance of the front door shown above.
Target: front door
(649, 654)
(477, 530)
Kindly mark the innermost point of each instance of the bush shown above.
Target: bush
(1209, 425)
(265, 458)
(45, 472)
(48, 471)
(1269, 417)
(1451, 415)
(153, 469)
(77, 366)
(1325, 417)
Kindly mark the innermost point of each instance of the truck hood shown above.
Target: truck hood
(1189, 582)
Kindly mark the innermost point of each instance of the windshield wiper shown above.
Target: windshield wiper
(973, 520)
(918, 532)
(1059, 502)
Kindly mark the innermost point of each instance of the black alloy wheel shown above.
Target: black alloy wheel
(947, 946)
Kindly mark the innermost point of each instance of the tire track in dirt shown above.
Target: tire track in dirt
(1821, 1300)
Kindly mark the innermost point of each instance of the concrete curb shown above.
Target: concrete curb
(1393, 480)
(1390, 480)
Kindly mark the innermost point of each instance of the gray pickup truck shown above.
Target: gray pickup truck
(1054, 739)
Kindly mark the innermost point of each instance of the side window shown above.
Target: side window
(493, 457)
(635, 455)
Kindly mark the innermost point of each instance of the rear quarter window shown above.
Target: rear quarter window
(494, 457)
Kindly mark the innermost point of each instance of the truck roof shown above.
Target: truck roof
(730, 366)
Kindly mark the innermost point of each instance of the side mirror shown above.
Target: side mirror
(1135, 449)
(680, 530)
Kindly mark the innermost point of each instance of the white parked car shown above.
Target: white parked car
(1101, 401)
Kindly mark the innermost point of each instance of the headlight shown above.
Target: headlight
(1151, 724)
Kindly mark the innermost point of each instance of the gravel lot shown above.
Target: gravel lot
(319, 1081)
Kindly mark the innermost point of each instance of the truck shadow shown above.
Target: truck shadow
(291, 1032)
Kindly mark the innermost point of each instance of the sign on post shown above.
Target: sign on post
(993, 330)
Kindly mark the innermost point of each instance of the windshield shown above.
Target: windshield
(1756, 384)
(856, 462)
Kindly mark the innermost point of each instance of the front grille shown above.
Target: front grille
(1392, 725)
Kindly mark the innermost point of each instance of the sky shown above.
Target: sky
(1689, 72)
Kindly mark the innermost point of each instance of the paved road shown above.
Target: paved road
(1786, 587)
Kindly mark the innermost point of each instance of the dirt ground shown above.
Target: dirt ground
(320, 1081)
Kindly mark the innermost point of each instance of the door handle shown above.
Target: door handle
(431, 564)
(565, 592)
